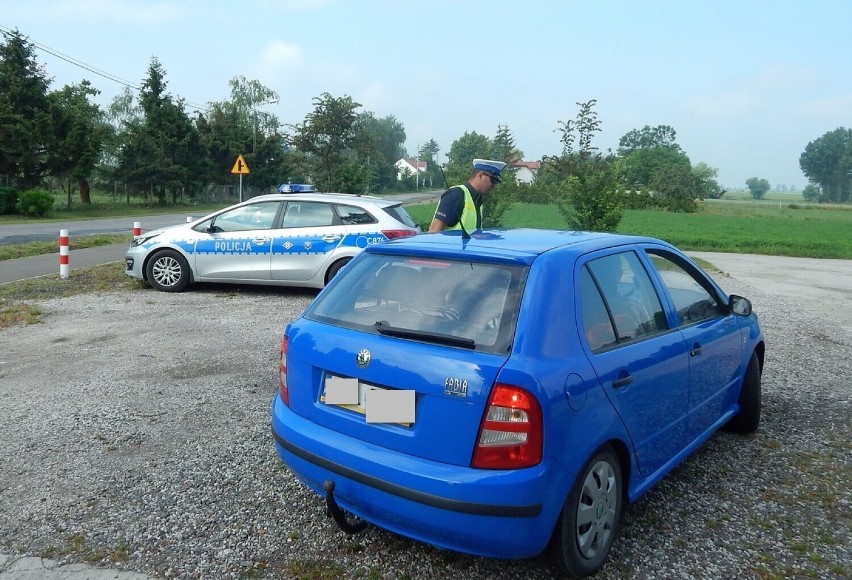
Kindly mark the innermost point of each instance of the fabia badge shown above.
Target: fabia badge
(455, 387)
(362, 359)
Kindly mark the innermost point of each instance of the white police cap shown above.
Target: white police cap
(492, 168)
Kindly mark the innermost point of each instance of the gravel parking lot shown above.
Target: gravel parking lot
(135, 435)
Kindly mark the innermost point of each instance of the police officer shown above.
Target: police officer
(461, 206)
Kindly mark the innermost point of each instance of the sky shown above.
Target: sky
(746, 84)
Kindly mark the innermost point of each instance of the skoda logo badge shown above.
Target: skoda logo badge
(362, 359)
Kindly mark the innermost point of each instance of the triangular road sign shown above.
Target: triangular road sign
(240, 166)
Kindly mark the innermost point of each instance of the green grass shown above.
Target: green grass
(804, 230)
(27, 249)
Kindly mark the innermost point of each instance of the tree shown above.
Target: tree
(810, 192)
(161, 151)
(80, 132)
(26, 130)
(463, 151)
(325, 136)
(379, 144)
(641, 165)
(661, 136)
(757, 187)
(588, 184)
(705, 178)
(827, 162)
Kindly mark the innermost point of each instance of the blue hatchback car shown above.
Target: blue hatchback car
(507, 393)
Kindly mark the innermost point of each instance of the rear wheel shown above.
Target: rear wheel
(589, 521)
(748, 417)
(168, 271)
(335, 268)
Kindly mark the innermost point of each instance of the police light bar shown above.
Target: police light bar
(296, 188)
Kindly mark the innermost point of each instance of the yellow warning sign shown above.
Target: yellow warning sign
(240, 166)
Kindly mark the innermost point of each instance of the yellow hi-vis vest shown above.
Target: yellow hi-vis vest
(467, 220)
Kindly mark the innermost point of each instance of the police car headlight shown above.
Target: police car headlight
(139, 240)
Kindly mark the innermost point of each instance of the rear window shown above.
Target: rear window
(456, 303)
(399, 214)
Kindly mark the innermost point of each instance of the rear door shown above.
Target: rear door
(309, 234)
(641, 364)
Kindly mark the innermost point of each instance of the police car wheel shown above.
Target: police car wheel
(335, 268)
(168, 271)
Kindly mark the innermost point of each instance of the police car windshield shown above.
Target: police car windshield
(461, 304)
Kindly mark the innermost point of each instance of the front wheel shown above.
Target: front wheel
(168, 271)
(748, 417)
(589, 521)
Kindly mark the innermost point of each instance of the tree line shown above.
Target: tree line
(148, 144)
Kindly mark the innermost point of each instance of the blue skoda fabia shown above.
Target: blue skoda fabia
(507, 393)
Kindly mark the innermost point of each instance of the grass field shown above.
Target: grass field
(781, 224)
(747, 227)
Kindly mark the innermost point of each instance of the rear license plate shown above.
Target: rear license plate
(377, 404)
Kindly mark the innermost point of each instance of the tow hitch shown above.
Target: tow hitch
(333, 510)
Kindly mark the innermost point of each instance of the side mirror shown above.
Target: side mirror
(739, 305)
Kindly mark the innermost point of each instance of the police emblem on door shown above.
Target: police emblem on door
(362, 359)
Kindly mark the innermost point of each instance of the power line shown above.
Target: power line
(88, 67)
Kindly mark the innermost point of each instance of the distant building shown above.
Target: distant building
(526, 171)
(406, 167)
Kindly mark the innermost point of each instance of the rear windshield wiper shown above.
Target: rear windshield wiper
(384, 327)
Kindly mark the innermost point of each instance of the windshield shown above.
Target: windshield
(455, 303)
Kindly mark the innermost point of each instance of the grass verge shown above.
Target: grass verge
(15, 296)
(28, 249)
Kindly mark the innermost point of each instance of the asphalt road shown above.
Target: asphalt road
(47, 264)
(45, 231)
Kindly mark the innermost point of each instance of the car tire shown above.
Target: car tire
(335, 268)
(748, 417)
(588, 524)
(168, 271)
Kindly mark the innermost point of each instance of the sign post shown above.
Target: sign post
(240, 168)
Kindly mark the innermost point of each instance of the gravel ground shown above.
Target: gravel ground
(135, 435)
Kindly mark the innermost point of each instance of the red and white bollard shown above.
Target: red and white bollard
(137, 229)
(63, 254)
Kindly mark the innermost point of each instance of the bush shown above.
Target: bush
(8, 200)
(35, 202)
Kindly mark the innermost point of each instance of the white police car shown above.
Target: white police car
(287, 239)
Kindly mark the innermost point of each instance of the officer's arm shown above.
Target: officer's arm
(449, 207)
(436, 226)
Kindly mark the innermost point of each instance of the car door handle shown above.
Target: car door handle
(622, 382)
(330, 238)
(695, 350)
(259, 241)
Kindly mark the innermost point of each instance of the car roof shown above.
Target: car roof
(336, 197)
(516, 245)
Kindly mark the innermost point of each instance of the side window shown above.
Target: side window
(596, 322)
(629, 295)
(351, 215)
(693, 301)
(304, 214)
(257, 216)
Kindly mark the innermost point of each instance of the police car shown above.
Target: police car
(297, 238)
(509, 392)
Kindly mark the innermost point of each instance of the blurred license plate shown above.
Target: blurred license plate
(377, 404)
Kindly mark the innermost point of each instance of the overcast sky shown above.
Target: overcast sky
(745, 83)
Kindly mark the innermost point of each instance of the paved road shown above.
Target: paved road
(47, 264)
(46, 231)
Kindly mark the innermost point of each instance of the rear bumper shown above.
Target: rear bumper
(500, 514)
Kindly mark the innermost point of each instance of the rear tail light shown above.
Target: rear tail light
(283, 390)
(510, 435)
(393, 234)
